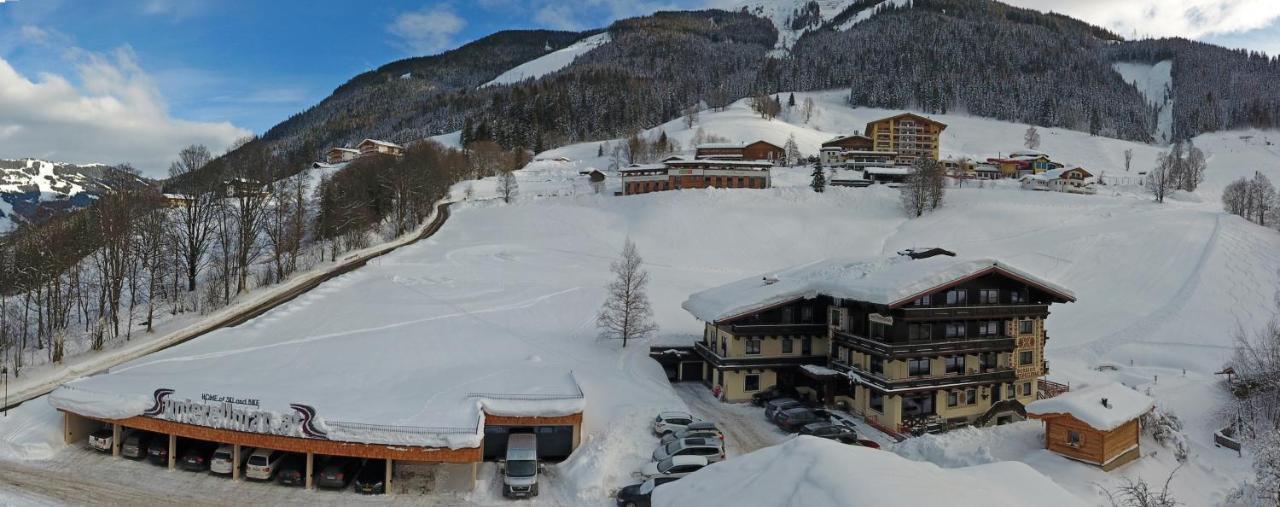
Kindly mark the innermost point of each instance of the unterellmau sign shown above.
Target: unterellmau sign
(235, 414)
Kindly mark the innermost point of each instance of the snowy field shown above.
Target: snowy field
(1161, 289)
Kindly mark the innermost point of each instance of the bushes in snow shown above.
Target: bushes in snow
(1252, 198)
(1166, 429)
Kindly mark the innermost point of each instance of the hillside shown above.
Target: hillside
(33, 190)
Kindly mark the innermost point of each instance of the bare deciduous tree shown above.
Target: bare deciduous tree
(1031, 139)
(193, 223)
(1128, 158)
(626, 314)
(1160, 180)
(507, 186)
(924, 188)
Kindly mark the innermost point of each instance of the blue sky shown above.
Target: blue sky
(81, 80)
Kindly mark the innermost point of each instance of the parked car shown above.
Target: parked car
(673, 467)
(520, 468)
(372, 477)
(158, 451)
(292, 470)
(793, 419)
(671, 422)
(223, 459)
(837, 432)
(699, 429)
(135, 444)
(337, 472)
(776, 406)
(197, 456)
(263, 464)
(710, 448)
(640, 495)
(102, 440)
(773, 393)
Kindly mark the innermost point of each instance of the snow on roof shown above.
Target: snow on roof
(381, 143)
(815, 472)
(349, 150)
(1028, 154)
(889, 171)
(819, 370)
(642, 167)
(886, 281)
(1123, 405)
(721, 146)
(719, 162)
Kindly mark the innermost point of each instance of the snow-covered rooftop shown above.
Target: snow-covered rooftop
(815, 472)
(887, 281)
(889, 171)
(721, 146)
(1122, 405)
(381, 143)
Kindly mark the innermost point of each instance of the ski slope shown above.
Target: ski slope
(1155, 82)
(550, 62)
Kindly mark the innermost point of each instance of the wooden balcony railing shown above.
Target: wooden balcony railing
(923, 348)
(813, 329)
(974, 312)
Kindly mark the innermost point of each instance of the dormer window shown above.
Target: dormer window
(957, 297)
(989, 296)
(924, 300)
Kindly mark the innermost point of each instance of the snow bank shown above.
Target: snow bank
(550, 62)
(31, 431)
(815, 472)
(885, 281)
(1122, 405)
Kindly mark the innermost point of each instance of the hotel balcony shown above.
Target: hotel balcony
(922, 383)
(973, 312)
(933, 348)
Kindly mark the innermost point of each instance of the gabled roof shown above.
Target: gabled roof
(348, 150)
(762, 142)
(906, 115)
(842, 138)
(891, 281)
(1086, 405)
(380, 143)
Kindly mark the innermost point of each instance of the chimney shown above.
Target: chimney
(1105, 403)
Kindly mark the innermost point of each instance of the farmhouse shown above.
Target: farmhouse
(909, 135)
(675, 174)
(1024, 163)
(756, 151)
(374, 147)
(340, 155)
(1097, 425)
(917, 342)
(1076, 181)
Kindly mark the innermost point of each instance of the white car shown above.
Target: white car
(262, 464)
(102, 439)
(710, 448)
(222, 459)
(671, 422)
(676, 466)
(700, 429)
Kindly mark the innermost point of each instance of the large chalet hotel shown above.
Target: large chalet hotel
(713, 165)
(896, 140)
(917, 342)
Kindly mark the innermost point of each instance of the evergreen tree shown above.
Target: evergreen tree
(819, 182)
(791, 101)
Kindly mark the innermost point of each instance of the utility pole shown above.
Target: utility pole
(4, 370)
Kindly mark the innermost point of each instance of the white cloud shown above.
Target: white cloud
(115, 114)
(1192, 19)
(429, 30)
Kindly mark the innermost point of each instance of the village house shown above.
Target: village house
(1075, 181)
(1024, 163)
(1098, 425)
(756, 151)
(340, 155)
(675, 174)
(242, 187)
(918, 342)
(909, 135)
(374, 147)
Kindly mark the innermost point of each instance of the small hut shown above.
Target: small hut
(1097, 425)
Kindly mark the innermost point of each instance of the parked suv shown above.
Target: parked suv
(135, 444)
(337, 472)
(837, 432)
(675, 466)
(710, 448)
(223, 464)
(773, 393)
(776, 406)
(158, 452)
(292, 470)
(102, 440)
(671, 422)
(700, 429)
(197, 455)
(372, 478)
(641, 495)
(794, 419)
(262, 464)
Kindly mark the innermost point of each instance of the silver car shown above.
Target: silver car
(710, 448)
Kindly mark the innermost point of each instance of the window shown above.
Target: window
(877, 365)
(955, 330)
(989, 328)
(989, 296)
(924, 300)
(751, 383)
(956, 297)
(953, 398)
(1025, 327)
(835, 318)
(919, 332)
(806, 315)
(1026, 357)
(987, 360)
(971, 396)
(1026, 388)
(1016, 297)
(955, 364)
(877, 401)
(878, 330)
(786, 315)
(917, 367)
(753, 346)
(786, 345)
(1073, 438)
(806, 346)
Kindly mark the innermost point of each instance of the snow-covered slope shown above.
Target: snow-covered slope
(794, 18)
(1156, 84)
(31, 188)
(550, 62)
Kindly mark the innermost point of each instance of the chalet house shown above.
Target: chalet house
(1075, 181)
(177, 200)
(340, 155)
(917, 342)
(374, 147)
(242, 187)
(1024, 163)
(757, 151)
(1098, 425)
(909, 135)
(675, 174)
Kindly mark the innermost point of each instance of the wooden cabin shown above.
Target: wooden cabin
(1098, 425)
(374, 146)
(340, 155)
(757, 151)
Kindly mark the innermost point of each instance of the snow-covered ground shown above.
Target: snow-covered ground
(1161, 288)
(550, 62)
(1155, 81)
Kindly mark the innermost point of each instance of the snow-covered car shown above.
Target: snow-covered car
(699, 429)
(640, 495)
(710, 448)
(675, 466)
(671, 422)
(222, 459)
(776, 406)
(837, 432)
(792, 420)
(262, 464)
(101, 440)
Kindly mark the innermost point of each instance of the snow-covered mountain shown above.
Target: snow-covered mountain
(795, 18)
(32, 190)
